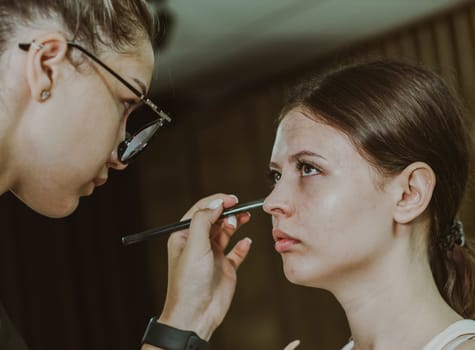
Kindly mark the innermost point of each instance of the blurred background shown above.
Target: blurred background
(222, 72)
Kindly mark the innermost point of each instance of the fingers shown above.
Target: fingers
(229, 200)
(205, 213)
(237, 255)
(177, 240)
(200, 227)
(293, 345)
(222, 234)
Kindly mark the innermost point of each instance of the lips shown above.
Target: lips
(283, 241)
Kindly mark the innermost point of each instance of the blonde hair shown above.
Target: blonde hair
(116, 24)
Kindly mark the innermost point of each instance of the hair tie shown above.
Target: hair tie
(455, 236)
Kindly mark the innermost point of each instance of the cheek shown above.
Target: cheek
(346, 222)
(100, 129)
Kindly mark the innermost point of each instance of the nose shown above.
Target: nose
(279, 202)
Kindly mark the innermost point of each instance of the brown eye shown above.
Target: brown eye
(274, 176)
(307, 169)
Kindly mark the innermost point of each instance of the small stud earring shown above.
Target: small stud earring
(37, 46)
(45, 94)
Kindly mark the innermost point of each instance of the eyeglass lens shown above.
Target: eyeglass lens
(142, 124)
(139, 141)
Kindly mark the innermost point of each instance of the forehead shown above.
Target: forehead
(298, 132)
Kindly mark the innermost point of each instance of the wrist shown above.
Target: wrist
(163, 336)
(187, 322)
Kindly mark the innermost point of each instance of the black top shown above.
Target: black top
(9, 337)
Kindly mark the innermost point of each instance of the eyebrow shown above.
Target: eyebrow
(295, 157)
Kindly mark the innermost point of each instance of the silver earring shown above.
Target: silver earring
(37, 46)
(45, 94)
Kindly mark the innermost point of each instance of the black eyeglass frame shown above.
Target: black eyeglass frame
(162, 116)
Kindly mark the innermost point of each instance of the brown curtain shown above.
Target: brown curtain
(224, 146)
(68, 283)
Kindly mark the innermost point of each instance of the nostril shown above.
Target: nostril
(116, 165)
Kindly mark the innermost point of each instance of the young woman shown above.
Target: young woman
(370, 165)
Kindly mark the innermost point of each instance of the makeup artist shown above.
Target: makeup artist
(93, 59)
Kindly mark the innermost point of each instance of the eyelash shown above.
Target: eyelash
(274, 176)
(305, 166)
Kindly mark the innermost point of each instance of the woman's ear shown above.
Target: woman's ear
(416, 183)
(45, 56)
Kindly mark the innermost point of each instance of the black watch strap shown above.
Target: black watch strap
(170, 338)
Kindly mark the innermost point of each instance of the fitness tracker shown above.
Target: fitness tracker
(170, 338)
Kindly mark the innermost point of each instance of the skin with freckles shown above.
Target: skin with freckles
(338, 225)
(327, 200)
(341, 226)
(61, 148)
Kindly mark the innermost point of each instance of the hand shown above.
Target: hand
(201, 277)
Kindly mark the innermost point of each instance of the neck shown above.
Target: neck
(395, 298)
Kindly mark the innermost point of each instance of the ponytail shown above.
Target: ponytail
(454, 273)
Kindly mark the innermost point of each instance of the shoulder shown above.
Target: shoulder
(467, 345)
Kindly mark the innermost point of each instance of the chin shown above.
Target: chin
(300, 274)
(304, 281)
(57, 213)
(59, 209)
(293, 275)
(295, 278)
(54, 208)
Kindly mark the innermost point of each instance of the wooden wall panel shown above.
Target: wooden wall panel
(445, 49)
(409, 47)
(464, 51)
(392, 48)
(427, 46)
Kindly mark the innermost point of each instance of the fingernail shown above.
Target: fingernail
(248, 239)
(235, 197)
(293, 345)
(215, 204)
(232, 221)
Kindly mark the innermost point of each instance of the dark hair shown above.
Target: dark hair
(397, 114)
(113, 23)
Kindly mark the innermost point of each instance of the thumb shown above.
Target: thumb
(237, 255)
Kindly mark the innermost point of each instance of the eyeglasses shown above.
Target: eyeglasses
(136, 141)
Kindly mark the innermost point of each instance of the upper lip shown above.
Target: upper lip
(99, 181)
(278, 234)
